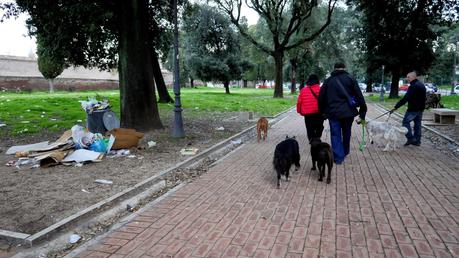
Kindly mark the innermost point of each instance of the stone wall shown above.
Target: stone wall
(21, 73)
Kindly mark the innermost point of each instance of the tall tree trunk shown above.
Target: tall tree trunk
(394, 84)
(164, 96)
(294, 65)
(278, 88)
(226, 84)
(244, 83)
(191, 82)
(369, 82)
(139, 109)
(51, 85)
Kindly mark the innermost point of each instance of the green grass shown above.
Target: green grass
(38, 111)
(451, 101)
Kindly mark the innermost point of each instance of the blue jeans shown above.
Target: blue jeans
(340, 130)
(416, 117)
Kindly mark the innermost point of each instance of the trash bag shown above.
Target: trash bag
(81, 137)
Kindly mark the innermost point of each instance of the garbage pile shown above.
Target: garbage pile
(102, 137)
(75, 147)
(100, 118)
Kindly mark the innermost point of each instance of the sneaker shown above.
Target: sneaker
(409, 142)
(416, 143)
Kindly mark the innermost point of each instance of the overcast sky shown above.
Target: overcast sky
(15, 42)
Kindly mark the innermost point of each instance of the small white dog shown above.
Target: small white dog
(385, 134)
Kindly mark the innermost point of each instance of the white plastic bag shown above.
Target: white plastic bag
(81, 137)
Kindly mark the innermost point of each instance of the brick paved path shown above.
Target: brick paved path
(397, 204)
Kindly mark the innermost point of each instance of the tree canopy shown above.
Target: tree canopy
(213, 50)
(284, 18)
(399, 34)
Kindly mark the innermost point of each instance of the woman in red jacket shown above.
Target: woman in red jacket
(307, 106)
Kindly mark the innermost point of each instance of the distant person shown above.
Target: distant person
(339, 98)
(308, 107)
(416, 98)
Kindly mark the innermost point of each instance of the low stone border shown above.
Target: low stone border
(29, 240)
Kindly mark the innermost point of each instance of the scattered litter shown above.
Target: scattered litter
(189, 151)
(53, 119)
(103, 181)
(83, 155)
(220, 128)
(85, 191)
(42, 256)
(52, 158)
(21, 154)
(74, 238)
(110, 120)
(1, 124)
(151, 144)
(82, 137)
(36, 166)
(78, 164)
(236, 142)
(118, 153)
(125, 138)
(129, 208)
(93, 104)
(131, 156)
(11, 163)
(25, 161)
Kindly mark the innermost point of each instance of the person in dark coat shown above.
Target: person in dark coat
(307, 106)
(339, 98)
(416, 98)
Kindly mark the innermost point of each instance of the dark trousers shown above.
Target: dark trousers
(340, 130)
(416, 117)
(314, 125)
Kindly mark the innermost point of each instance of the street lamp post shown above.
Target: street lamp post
(177, 131)
(453, 84)
(383, 89)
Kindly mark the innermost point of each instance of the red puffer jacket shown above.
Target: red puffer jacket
(307, 103)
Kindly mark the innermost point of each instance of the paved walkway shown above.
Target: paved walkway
(379, 204)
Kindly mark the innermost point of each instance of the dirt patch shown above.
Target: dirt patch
(32, 199)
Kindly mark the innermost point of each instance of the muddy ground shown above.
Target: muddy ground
(31, 199)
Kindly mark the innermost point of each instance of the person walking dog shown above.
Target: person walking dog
(416, 98)
(339, 98)
(307, 106)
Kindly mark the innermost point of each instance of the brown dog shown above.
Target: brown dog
(262, 127)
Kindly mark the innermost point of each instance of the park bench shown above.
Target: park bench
(445, 115)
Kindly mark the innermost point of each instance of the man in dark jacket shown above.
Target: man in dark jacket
(339, 98)
(416, 98)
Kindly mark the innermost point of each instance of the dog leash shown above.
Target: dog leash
(362, 143)
(388, 112)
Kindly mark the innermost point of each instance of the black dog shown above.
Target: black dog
(322, 154)
(287, 152)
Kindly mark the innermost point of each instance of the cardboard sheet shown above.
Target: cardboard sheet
(83, 155)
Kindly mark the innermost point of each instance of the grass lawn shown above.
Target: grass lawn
(451, 101)
(38, 111)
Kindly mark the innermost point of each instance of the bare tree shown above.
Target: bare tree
(287, 23)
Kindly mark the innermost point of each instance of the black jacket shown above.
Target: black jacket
(415, 96)
(334, 103)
